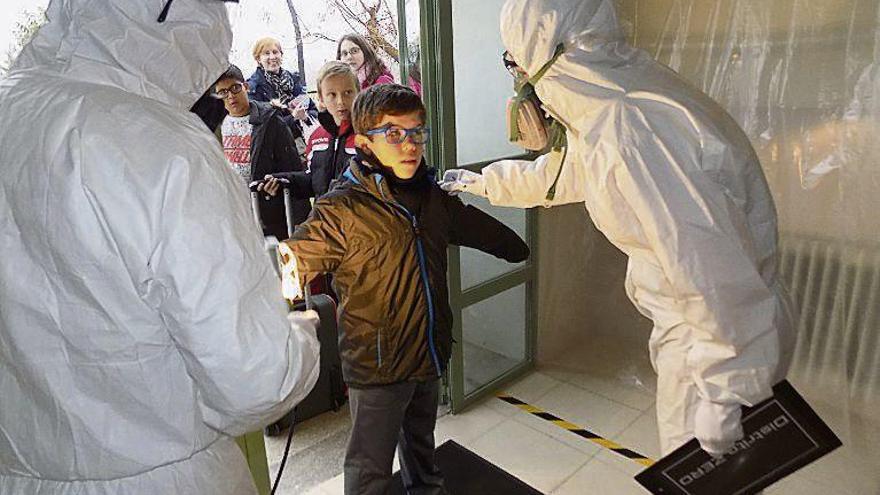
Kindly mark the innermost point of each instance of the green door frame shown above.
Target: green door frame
(438, 82)
(253, 446)
(402, 42)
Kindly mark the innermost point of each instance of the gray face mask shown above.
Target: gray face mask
(164, 14)
(528, 126)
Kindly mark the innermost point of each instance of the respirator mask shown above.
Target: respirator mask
(528, 124)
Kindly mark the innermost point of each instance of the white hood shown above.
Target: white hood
(120, 43)
(590, 24)
(597, 63)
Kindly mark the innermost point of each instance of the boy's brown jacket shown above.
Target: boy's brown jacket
(389, 272)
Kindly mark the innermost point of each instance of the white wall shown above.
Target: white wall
(482, 85)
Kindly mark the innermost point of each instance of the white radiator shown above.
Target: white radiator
(836, 289)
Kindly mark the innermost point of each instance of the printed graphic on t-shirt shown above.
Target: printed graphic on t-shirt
(237, 144)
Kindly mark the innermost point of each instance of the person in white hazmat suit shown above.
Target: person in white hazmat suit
(672, 181)
(141, 323)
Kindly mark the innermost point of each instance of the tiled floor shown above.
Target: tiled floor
(558, 462)
(316, 452)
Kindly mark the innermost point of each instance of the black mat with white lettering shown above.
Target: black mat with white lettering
(466, 473)
(780, 436)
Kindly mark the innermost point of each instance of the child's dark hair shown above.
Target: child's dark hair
(233, 73)
(384, 99)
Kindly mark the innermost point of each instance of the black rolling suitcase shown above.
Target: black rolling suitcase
(329, 391)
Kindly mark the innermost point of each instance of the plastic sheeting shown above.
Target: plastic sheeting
(802, 77)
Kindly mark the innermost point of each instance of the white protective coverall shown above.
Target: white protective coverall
(673, 182)
(141, 324)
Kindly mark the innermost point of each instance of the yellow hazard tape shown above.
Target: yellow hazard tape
(577, 430)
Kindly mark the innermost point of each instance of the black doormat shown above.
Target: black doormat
(466, 473)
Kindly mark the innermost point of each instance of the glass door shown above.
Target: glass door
(466, 87)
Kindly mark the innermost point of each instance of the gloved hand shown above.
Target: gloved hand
(304, 321)
(290, 283)
(458, 180)
(717, 426)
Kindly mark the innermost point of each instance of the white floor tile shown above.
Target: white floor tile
(311, 432)
(527, 389)
(619, 389)
(581, 407)
(598, 478)
(537, 459)
(582, 445)
(847, 473)
(588, 410)
(532, 387)
(640, 436)
(794, 485)
(620, 463)
(334, 486)
(467, 426)
(854, 468)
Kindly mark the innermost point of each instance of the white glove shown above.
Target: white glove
(305, 321)
(290, 286)
(717, 426)
(460, 180)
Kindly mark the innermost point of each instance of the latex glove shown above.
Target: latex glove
(717, 426)
(291, 289)
(304, 321)
(460, 180)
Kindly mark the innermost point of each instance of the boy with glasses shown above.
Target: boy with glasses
(383, 232)
(257, 143)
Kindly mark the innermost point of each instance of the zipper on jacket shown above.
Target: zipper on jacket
(340, 140)
(333, 156)
(423, 268)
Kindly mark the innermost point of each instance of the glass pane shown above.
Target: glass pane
(413, 44)
(482, 85)
(478, 267)
(494, 337)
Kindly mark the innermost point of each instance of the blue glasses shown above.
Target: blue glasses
(397, 135)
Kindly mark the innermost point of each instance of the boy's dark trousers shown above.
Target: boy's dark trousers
(400, 415)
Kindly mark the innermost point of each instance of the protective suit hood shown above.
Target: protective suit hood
(120, 43)
(588, 24)
(596, 62)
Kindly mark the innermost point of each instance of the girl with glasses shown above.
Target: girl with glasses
(356, 51)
